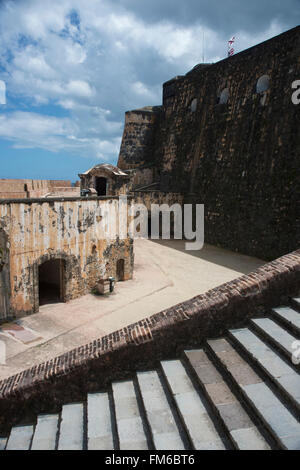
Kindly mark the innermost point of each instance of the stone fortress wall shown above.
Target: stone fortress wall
(227, 136)
(28, 188)
(35, 231)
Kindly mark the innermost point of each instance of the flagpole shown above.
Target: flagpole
(230, 47)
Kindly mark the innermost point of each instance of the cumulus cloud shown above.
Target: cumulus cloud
(89, 62)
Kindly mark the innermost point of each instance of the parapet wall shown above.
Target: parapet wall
(27, 188)
(91, 367)
(139, 137)
(39, 230)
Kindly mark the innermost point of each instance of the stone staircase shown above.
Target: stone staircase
(241, 391)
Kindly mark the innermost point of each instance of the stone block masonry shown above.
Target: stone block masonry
(27, 188)
(34, 232)
(228, 137)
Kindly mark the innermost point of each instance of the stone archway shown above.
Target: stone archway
(62, 271)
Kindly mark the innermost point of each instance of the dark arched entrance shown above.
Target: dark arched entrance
(4, 276)
(120, 270)
(51, 281)
(101, 186)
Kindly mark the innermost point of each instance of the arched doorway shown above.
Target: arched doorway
(51, 282)
(100, 184)
(120, 270)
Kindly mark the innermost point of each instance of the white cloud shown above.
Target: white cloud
(79, 88)
(95, 65)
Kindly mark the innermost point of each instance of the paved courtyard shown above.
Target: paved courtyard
(164, 275)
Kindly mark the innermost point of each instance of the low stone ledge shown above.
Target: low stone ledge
(141, 345)
(41, 200)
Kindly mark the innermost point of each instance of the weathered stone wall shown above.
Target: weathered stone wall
(115, 186)
(235, 149)
(39, 230)
(23, 188)
(138, 140)
(241, 158)
(90, 368)
(142, 177)
(156, 197)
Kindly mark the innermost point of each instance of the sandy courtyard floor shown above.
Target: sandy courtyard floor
(164, 275)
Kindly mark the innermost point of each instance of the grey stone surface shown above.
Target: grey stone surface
(99, 422)
(292, 384)
(129, 422)
(234, 416)
(197, 357)
(291, 443)
(221, 345)
(273, 331)
(220, 393)
(244, 374)
(272, 364)
(71, 427)
(236, 365)
(20, 438)
(249, 439)
(208, 374)
(45, 433)
(163, 426)
(289, 315)
(230, 410)
(131, 434)
(197, 422)
(230, 358)
(278, 418)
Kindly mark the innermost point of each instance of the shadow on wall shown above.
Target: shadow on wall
(213, 254)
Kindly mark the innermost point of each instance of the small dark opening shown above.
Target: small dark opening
(120, 270)
(51, 282)
(101, 186)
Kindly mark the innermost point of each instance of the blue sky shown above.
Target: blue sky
(73, 68)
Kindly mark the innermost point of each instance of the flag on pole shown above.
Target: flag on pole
(230, 46)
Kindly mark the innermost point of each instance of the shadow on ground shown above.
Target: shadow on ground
(212, 254)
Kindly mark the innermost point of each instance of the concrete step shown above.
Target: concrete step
(277, 418)
(240, 428)
(277, 335)
(197, 422)
(130, 426)
(45, 433)
(285, 377)
(20, 438)
(99, 422)
(164, 430)
(288, 317)
(71, 427)
(3, 441)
